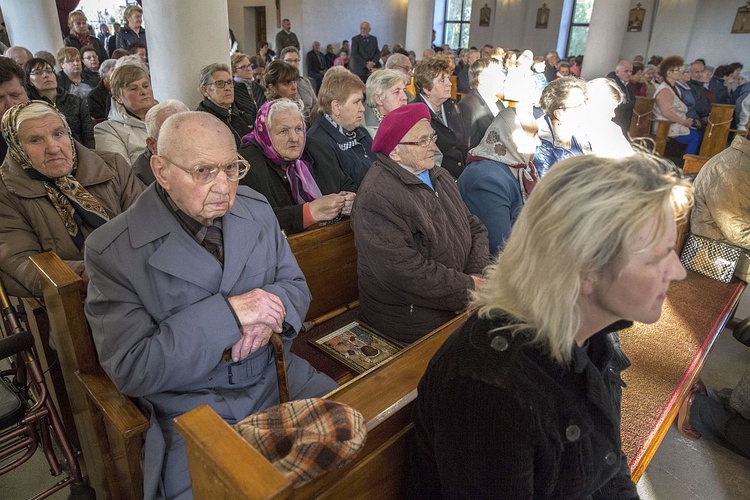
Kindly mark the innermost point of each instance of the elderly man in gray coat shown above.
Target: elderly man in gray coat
(186, 289)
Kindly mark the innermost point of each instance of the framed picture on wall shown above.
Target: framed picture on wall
(542, 17)
(635, 21)
(742, 20)
(484, 15)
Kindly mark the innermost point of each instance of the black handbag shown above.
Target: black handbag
(710, 258)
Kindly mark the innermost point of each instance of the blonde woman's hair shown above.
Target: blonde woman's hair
(576, 224)
(123, 76)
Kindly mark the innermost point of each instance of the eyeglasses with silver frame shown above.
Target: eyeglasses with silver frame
(203, 174)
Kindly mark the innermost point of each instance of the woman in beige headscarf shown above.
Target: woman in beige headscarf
(500, 174)
(53, 193)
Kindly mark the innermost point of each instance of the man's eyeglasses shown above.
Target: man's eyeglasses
(220, 84)
(423, 142)
(40, 72)
(203, 174)
(246, 66)
(291, 61)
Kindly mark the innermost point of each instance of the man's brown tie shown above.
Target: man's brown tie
(214, 243)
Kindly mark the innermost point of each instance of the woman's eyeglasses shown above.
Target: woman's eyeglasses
(40, 72)
(422, 142)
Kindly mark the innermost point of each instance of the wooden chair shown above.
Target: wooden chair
(716, 131)
(224, 466)
(693, 164)
(454, 87)
(641, 125)
(411, 87)
(643, 115)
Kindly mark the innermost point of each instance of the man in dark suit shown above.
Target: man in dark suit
(316, 64)
(702, 104)
(481, 106)
(365, 52)
(624, 112)
(286, 38)
(551, 61)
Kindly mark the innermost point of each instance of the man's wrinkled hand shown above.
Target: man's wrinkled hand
(258, 307)
(253, 338)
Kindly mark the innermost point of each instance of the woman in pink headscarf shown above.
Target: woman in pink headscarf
(300, 176)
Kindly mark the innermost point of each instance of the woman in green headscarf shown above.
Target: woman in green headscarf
(53, 193)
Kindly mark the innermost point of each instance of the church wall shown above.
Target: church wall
(387, 18)
(692, 28)
(711, 36)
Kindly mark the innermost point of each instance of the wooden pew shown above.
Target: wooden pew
(110, 426)
(716, 131)
(328, 259)
(224, 466)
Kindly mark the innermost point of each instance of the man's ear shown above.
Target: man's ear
(159, 167)
(335, 108)
(151, 144)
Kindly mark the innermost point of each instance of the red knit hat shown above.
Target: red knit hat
(396, 125)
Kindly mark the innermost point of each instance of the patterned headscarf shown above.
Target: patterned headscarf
(73, 202)
(499, 144)
(303, 185)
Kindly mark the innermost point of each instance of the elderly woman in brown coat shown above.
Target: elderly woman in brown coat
(419, 249)
(53, 193)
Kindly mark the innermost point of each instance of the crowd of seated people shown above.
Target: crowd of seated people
(433, 187)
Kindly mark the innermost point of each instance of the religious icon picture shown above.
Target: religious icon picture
(357, 346)
(742, 20)
(635, 21)
(542, 17)
(484, 15)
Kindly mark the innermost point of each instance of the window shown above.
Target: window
(579, 27)
(457, 20)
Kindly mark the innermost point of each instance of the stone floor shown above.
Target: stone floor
(680, 470)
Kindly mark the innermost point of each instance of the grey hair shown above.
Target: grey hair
(622, 64)
(396, 60)
(108, 67)
(169, 107)
(282, 105)
(205, 75)
(650, 67)
(605, 202)
(132, 60)
(381, 81)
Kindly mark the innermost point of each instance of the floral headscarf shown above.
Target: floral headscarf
(303, 185)
(500, 144)
(73, 203)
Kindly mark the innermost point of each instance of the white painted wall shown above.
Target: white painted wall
(634, 44)
(331, 21)
(712, 38)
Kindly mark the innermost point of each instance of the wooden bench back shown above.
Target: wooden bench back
(224, 466)
(328, 259)
(716, 131)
